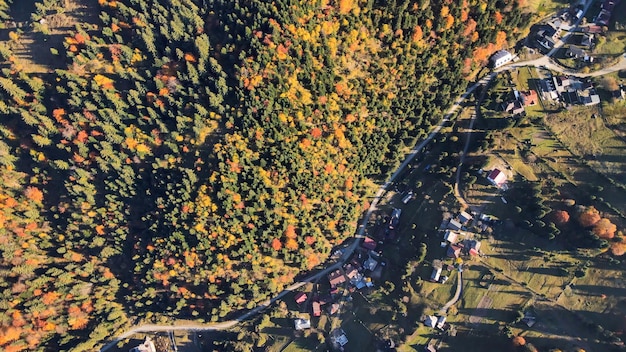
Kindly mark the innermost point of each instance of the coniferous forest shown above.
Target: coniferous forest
(193, 156)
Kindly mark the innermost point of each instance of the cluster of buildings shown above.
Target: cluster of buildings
(604, 16)
(569, 90)
(357, 273)
(517, 103)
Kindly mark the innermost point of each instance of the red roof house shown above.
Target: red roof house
(369, 243)
(300, 297)
(317, 309)
(497, 177)
(336, 278)
(530, 97)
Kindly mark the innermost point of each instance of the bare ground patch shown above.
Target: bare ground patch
(37, 35)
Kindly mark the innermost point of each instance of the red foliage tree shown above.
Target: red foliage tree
(560, 217)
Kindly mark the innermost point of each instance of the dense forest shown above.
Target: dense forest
(193, 156)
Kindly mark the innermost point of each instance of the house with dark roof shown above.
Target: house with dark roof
(338, 338)
(454, 225)
(513, 107)
(454, 251)
(587, 40)
(474, 247)
(576, 52)
(395, 218)
(369, 243)
(548, 89)
(465, 217)
(300, 297)
(430, 321)
(440, 322)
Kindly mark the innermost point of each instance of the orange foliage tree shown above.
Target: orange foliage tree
(276, 244)
(605, 229)
(518, 341)
(618, 248)
(34, 194)
(589, 217)
(497, 16)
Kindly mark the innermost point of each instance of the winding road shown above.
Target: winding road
(347, 251)
(543, 62)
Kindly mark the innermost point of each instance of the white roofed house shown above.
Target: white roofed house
(301, 324)
(501, 57)
(436, 274)
(451, 236)
(430, 321)
(464, 217)
(146, 346)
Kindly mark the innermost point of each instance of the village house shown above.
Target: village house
(351, 271)
(497, 178)
(501, 57)
(430, 348)
(451, 236)
(465, 217)
(587, 41)
(618, 94)
(454, 251)
(369, 243)
(454, 225)
(146, 346)
(430, 321)
(317, 309)
(338, 338)
(604, 16)
(395, 218)
(473, 247)
(436, 274)
(530, 98)
(513, 107)
(576, 52)
(301, 324)
(300, 297)
(440, 322)
(370, 264)
(548, 89)
(336, 278)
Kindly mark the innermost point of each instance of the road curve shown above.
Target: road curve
(544, 61)
(347, 252)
